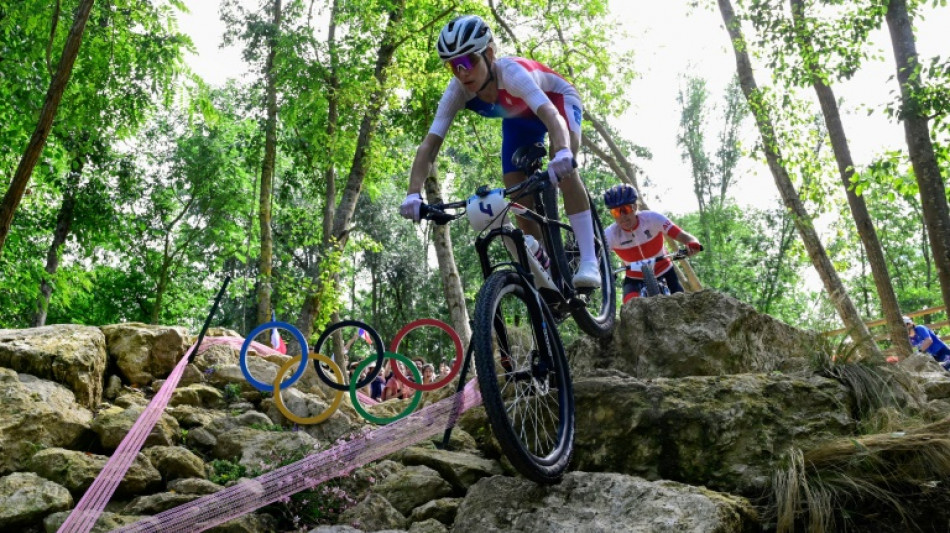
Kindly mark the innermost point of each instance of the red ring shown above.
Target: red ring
(458, 354)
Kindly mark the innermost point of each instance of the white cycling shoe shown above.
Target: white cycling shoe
(587, 276)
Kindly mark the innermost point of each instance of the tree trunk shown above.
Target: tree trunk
(859, 209)
(266, 261)
(816, 251)
(933, 196)
(53, 97)
(311, 305)
(354, 182)
(451, 280)
(64, 221)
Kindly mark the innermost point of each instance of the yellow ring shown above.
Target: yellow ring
(322, 416)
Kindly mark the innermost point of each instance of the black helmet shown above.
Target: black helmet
(463, 35)
(619, 195)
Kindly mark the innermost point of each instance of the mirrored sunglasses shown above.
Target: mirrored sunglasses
(466, 62)
(617, 212)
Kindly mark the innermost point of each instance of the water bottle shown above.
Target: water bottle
(539, 261)
(534, 247)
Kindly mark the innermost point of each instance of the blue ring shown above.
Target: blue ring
(266, 387)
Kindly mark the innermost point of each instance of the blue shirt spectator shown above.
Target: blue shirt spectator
(925, 340)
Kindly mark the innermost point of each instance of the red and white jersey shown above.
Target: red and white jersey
(645, 241)
(523, 86)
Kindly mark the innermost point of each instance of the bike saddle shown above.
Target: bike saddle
(528, 158)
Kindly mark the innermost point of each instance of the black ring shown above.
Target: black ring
(377, 342)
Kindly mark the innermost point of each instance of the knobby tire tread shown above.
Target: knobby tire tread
(551, 471)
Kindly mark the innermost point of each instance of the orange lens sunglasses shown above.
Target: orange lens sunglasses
(617, 212)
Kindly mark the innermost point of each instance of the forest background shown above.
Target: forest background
(152, 183)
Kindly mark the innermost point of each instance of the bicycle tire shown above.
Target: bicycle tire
(598, 317)
(530, 407)
(650, 285)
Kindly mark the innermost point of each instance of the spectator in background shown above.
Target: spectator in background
(428, 373)
(926, 341)
(377, 385)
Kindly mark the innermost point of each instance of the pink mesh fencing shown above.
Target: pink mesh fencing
(90, 506)
(278, 485)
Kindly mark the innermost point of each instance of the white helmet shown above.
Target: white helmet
(486, 211)
(463, 35)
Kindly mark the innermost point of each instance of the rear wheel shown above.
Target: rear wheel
(598, 315)
(524, 378)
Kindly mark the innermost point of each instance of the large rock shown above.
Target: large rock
(114, 424)
(600, 502)
(25, 498)
(264, 450)
(413, 486)
(144, 352)
(723, 432)
(175, 462)
(72, 355)
(705, 333)
(35, 414)
(462, 470)
(106, 522)
(77, 470)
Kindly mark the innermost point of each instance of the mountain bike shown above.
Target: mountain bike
(651, 285)
(520, 361)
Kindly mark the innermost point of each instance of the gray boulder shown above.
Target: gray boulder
(25, 498)
(107, 522)
(723, 432)
(411, 487)
(588, 503)
(175, 462)
(144, 352)
(77, 470)
(112, 425)
(705, 333)
(34, 414)
(374, 513)
(462, 470)
(263, 450)
(72, 355)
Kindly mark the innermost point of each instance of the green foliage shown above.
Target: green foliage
(232, 392)
(224, 471)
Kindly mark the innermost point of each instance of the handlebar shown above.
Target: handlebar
(681, 253)
(436, 212)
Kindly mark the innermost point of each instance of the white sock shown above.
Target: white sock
(583, 226)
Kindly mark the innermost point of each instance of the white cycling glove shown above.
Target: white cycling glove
(561, 165)
(410, 206)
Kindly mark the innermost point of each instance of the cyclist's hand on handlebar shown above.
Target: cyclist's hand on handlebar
(410, 206)
(693, 248)
(561, 165)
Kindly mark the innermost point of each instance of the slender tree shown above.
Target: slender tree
(816, 251)
(53, 97)
(451, 281)
(859, 209)
(933, 194)
(266, 260)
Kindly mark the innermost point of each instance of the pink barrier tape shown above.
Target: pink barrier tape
(279, 484)
(90, 506)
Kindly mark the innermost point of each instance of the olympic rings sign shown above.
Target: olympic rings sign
(338, 384)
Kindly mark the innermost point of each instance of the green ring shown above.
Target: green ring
(415, 397)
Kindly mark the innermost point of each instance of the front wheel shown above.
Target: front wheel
(650, 285)
(524, 378)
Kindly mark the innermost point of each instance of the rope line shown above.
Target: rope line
(279, 484)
